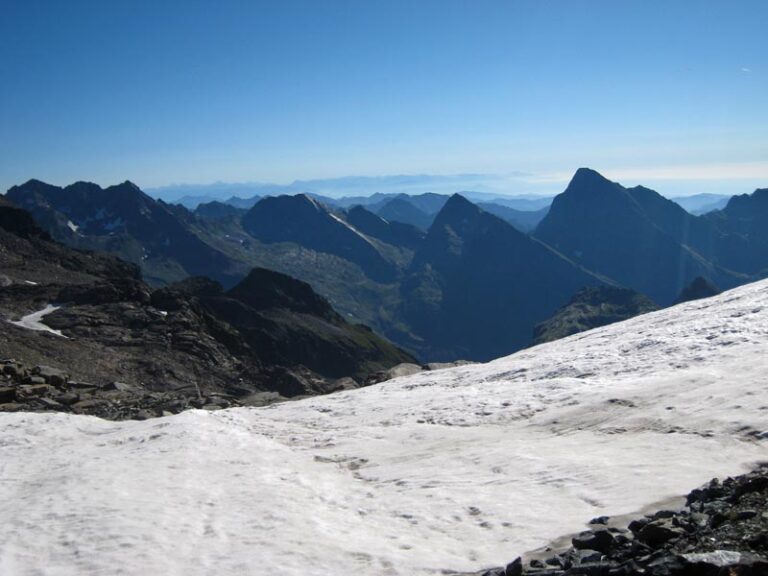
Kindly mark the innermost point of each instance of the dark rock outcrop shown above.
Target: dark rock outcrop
(590, 308)
(699, 288)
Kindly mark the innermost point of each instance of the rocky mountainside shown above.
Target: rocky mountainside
(302, 220)
(744, 221)
(633, 236)
(416, 288)
(477, 286)
(124, 221)
(218, 211)
(394, 233)
(92, 318)
(590, 308)
(400, 209)
(699, 288)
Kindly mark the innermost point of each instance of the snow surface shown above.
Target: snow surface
(457, 469)
(34, 321)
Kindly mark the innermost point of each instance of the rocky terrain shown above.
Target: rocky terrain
(721, 531)
(590, 308)
(83, 332)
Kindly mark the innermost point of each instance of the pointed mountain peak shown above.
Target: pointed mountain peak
(459, 204)
(588, 178)
(458, 214)
(307, 200)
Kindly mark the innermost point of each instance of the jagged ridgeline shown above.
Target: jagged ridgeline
(441, 277)
(190, 343)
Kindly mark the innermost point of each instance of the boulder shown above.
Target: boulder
(600, 540)
(7, 394)
(514, 568)
(51, 375)
(33, 390)
(659, 532)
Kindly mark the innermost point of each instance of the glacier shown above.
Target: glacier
(456, 469)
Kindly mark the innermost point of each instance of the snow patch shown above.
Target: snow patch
(34, 321)
(72, 226)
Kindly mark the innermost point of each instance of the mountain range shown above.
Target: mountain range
(440, 276)
(92, 317)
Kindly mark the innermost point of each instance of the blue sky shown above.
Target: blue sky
(667, 93)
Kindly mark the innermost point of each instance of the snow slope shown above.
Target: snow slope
(454, 469)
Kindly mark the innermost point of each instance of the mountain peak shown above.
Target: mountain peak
(459, 205)
(263, 289)
(588, 179)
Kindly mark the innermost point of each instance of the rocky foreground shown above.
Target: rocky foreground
(722, 530)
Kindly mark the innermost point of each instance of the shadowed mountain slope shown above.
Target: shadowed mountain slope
(123, 221)
(477, 286)
(302, 220)
(634, 236)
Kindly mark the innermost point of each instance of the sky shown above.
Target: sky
(671, 94)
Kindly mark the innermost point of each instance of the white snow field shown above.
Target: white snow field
(455, 469)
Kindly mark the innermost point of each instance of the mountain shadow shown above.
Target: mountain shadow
(477, 286)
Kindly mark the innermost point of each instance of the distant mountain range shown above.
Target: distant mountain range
(480, 187)
(439, 275)
(702, 203)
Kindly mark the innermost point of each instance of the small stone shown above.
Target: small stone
(11, 407)
(68, 398)
(746, 514)
(118, 386)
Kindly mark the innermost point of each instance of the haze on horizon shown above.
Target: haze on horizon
(518, 94)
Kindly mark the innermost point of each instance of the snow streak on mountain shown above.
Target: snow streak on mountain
(455, 469)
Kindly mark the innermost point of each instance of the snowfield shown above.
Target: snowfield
(456, 469)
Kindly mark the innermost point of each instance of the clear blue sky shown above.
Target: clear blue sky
(668, 92)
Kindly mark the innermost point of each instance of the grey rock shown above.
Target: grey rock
(514, 568)
(659, 531)
(600, 540)
(51, 375)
